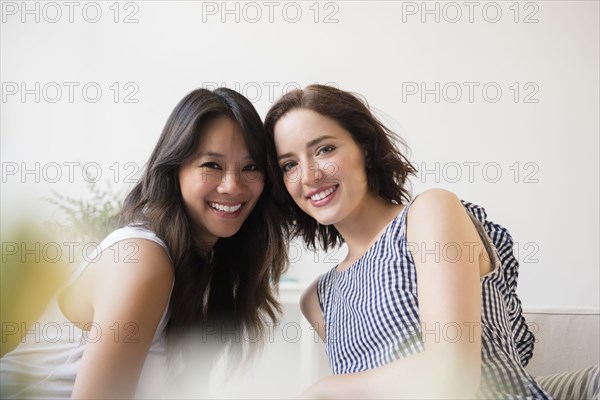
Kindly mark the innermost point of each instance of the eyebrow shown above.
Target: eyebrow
(309, 144)
(219, 155)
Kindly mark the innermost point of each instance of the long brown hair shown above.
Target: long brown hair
(387, 168)
(230, 288)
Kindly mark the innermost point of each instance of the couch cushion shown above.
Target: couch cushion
(566, 339)
(581, 384)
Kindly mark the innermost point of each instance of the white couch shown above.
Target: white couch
(566, 339)
(567, 351)
(294, 357)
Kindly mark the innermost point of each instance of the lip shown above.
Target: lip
(322, 202)
(319, 190)
(227, 214)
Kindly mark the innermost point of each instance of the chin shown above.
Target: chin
(226, 233)
(326, 221)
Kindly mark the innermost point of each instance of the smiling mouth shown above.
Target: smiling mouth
(325, 193)
(225, 208)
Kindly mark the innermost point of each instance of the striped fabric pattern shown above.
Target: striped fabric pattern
(573, 385)
(371, 311)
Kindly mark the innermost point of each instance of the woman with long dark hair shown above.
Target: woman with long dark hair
(198, 255)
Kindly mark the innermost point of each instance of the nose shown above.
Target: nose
(231, 182)
(311, 173)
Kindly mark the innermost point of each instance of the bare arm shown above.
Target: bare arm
(449, 304)
(128, 301)
(309, 305)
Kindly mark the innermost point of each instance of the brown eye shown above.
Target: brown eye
(210, 165)
(251, 167)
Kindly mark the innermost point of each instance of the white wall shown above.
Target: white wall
(543, 139)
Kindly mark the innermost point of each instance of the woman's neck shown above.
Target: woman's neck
(361, 229)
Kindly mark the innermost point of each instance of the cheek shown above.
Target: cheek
(195, 183)
(358, 165)
(330, 169)
(256, 186)
(291, 184)
(184, 183)
(293, 177)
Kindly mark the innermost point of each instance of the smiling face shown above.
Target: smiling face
(220, 184)
(323, 167)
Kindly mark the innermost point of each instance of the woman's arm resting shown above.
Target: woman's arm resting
(309, 305)
(129, 299)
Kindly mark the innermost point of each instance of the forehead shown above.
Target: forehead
(301, 125)
(221, 133)
(302, 118)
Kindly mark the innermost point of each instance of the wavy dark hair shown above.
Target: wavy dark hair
(388, 169)
(231, 287)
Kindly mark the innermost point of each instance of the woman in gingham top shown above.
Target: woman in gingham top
(424, 304)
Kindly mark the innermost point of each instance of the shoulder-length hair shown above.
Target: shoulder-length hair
(232, 286)
(387, 168)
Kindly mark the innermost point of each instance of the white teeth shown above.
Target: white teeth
(323, 194)
(224, 208)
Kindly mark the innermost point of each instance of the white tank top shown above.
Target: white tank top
(44, 365)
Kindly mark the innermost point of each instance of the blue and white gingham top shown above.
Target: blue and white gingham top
(371, 311)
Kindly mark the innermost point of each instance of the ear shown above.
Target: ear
(367, 156)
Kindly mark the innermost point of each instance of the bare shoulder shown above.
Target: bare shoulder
(142, 257)
(439, 214)
(130, 265)
(435, 210)
(434, 200)
(124, 267)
